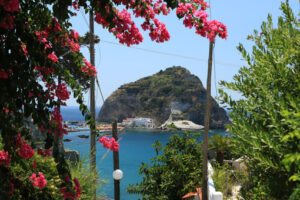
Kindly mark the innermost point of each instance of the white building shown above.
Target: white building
(141, 122)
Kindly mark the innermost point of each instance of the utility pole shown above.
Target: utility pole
(206, 125)
(92, 99)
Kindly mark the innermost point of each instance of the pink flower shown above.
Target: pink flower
(7, 22)
(77, 188)
(33, 165)
(10, 5)
(25, 150)
(67, 178)
(75, 35)
(53, 57)
(56, 27)
(62, 92)
(30, 94)
(71, 195)
(12, 188)
(4, 158)
(38, 181)
(56, 119)
(67, 195)
(3, 74)
(111, 144)
(44, 152)
(89, 68)
(23, 46)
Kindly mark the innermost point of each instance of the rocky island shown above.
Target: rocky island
(173, 93)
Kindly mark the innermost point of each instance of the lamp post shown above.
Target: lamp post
(117, 174)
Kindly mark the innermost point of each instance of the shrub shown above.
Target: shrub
(175, 171)
(265, 122)
(87, 179)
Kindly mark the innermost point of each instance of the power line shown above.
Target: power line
(100, 89)
(171, 54)
(83, 15)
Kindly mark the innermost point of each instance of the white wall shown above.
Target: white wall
(212, 193)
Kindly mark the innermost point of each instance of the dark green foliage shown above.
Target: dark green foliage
(266, 121)
(175, 171)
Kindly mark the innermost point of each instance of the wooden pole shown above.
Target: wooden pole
(206, 125)
(92, 100)
(116, 161)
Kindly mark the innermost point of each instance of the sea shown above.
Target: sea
(135, 148)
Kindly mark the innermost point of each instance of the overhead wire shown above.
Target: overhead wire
(171, 54)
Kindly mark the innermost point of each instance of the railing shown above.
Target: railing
(212, 193)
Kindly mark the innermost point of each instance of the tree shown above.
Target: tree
(174, 171)
(265, 122)
(40, 61)
(221, 145)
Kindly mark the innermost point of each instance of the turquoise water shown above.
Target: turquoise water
(135, 147)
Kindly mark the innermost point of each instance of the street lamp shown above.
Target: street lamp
(118, 174)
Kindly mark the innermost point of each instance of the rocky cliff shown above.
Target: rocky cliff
(174, 90)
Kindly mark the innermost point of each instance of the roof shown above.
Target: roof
(191, 194)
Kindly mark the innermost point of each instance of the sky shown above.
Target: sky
(118, 64)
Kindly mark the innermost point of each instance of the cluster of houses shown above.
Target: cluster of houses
(140, 122)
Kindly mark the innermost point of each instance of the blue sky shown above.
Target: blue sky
(118, 64)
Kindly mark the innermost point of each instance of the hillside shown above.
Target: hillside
(174, 89)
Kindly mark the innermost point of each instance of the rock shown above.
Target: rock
(71, 155)
(83, 136)
(37, 137)
(182, 125)
(67, 140)
(174, 93)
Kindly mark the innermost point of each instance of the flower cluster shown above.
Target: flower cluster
(38, 181)
(88, 68)
(4, 158)
(62, 92)
(70, 42)
(53, 57)
(125, 29)
(66, 39)
(43, 71)
(5, 110)
(3, 74)
(25, 151)
(33, 165)
(57, 120)
(24, 49)
(44, 152)
(77, 188)
(197, 18)
(69, 194)
(9, 6)
(11, 188)
(111, 143)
